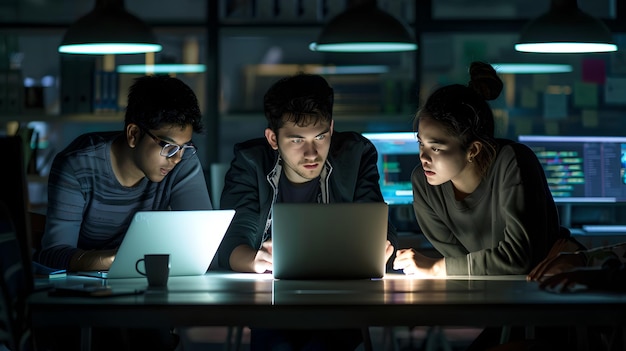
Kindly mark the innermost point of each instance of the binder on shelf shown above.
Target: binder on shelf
(113, 87)
(4, 53)
(106, 88)
(97, 92)
(3, 91)
(77, 84)
(15, 92)
(33, 99)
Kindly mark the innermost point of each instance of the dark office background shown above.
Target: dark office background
(248, 44)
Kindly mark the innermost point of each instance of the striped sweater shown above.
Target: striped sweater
(89, 209)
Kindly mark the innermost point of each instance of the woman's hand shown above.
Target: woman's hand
(412, 262)
(388, 250)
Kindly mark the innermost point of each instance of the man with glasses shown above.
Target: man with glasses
(101, 179)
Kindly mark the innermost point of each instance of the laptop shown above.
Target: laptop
(329, 241)
(190, 237)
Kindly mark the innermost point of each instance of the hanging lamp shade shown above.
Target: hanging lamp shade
(565, 29)
(531, 68)
(162, 68)
(509, 61)
(364, 28)
(189, 62)
(109, 29)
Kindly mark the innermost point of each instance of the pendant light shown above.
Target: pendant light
(170, 64)
(162, 68)
(565, 29)
(509, 61)
(109, 29)
(363, 27)
(531, 68)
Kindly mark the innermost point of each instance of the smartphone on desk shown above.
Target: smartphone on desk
(92, 290)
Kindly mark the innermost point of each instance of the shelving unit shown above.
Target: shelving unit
(236, 37)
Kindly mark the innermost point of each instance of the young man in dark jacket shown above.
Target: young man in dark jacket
(301, 159)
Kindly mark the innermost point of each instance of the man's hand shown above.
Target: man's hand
(562, 262)
(414, 263)
(93, 260)
(246, 259)
(263, 258)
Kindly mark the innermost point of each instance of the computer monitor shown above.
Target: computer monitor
(398, 154)
(582, 168)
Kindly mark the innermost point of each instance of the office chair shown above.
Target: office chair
(16, 282)
(16, 285)
(14, 189)
(218, 172)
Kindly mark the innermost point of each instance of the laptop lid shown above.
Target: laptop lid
(191, 238)
(329, 241)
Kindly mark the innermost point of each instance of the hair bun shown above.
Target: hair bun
(485, 81)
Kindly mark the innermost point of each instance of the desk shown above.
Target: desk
(256, 300)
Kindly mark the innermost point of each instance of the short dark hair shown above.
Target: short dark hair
(299, 96)
(463, 110)
(158, 100)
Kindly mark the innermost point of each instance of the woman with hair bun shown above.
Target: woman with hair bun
(482, 202)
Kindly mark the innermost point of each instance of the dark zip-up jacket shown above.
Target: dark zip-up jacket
(251, 186)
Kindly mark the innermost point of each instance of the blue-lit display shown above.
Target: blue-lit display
(582, 168)
(397, 156)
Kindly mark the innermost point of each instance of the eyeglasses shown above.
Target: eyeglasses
(169, 150)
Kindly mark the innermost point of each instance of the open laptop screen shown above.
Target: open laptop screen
(191, 238)
(329, 241)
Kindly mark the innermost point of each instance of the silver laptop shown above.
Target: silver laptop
(329, 241)
(190, 237)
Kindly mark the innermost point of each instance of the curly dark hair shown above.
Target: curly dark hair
(465, 113)
(304, 98)
(158, 100)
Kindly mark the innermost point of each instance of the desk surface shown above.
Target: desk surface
(221, 299)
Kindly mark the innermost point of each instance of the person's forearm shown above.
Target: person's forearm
(94, 260)
(439, 268)
(242, 259)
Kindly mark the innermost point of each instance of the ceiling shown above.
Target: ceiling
(65, 11)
